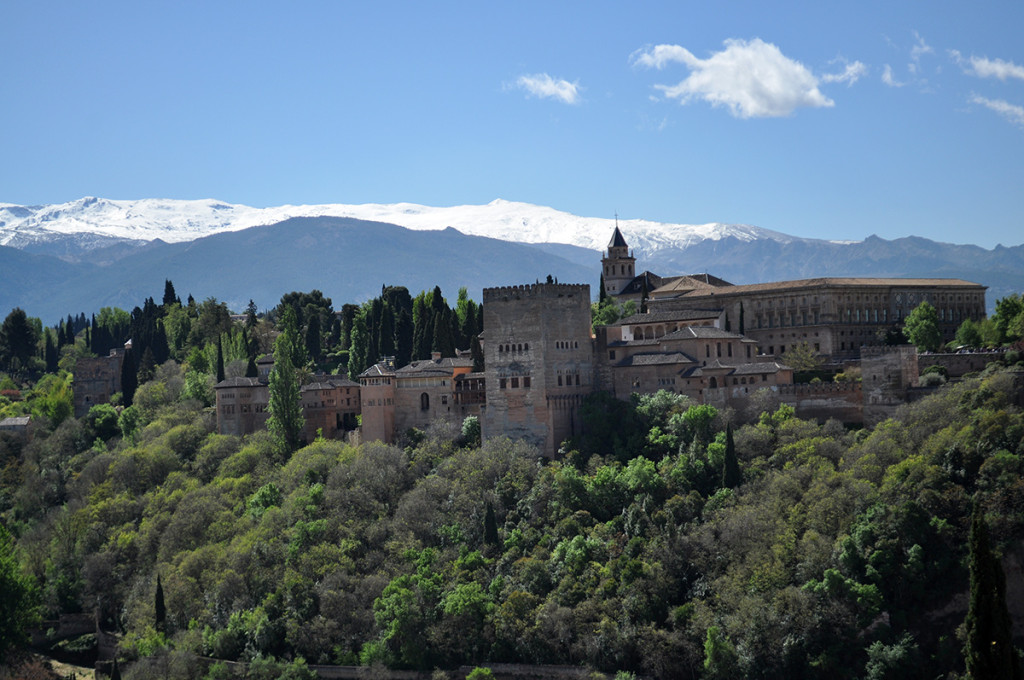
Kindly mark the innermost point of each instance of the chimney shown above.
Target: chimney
(435, 356)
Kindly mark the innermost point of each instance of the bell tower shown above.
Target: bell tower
(618, 268)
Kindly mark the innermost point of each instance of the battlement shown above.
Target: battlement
(536, 290)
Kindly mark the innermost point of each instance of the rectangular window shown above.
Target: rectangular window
(501, 383)
(515, 383)
(526, 382)
(611, 354)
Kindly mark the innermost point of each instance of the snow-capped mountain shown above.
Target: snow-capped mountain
(97, 222)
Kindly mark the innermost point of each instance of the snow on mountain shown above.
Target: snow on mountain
(173, 221)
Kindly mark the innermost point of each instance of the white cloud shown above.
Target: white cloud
(753, 79)
(920, 48)
(888, 78)
(983, 67)
(660, 55)
(544, 86)
(851, 74)
(1011, 112)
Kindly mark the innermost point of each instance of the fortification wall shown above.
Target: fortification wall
(821, 401)
(959, 365)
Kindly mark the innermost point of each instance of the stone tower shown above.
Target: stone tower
(539, 362)
(887, 374)
(619, 265)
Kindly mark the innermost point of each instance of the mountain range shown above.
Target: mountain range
(93, 252)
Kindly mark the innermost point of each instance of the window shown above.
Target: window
(501, 383)
(611, 354)
(526, 382)
(424, 402)
(515, 383)
(559, 381)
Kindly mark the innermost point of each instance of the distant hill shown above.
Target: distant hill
(349, 260)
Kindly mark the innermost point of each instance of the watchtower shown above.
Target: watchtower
(539, 362)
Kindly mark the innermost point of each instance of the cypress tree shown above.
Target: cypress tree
(129, 380)
(477, 353)
(220, 360)
(115, 672)
(989, 651)
(313, 346)
(159, 608)
(490, 526)
(169, 297)
(250, 368)
(601, 296)
(731, 475)
(286, 421)
(250, 315)
(403, 338)
(50, 353)
(386, 339)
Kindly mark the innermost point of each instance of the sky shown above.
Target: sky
(822, 120)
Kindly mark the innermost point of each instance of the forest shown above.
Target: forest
(672, 540)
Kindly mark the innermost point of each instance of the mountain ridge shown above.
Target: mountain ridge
(90, 263)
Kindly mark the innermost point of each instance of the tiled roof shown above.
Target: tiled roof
(238, 382)
(617, 240)
(761, 367)
(379, 369)
(702, 332)
(656, 359)
(661, 316)
(825, 282)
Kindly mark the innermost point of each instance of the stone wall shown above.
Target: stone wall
(539, 361)
(96, 381)
(821, 401)
(960, 364)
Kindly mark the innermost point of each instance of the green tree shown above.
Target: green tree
(731, 475)
(801, 357)
(170, 297)
(285, 407)
(968, 334)
(18, 338)
(159, 609)
(989, 651)
(490, 526)
(922, 327)
(1008, 317)
(720, 659)
(220, 360)
(18, 597)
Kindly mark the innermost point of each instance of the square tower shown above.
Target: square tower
(539, 362)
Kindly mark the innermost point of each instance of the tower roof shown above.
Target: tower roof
(617, 240)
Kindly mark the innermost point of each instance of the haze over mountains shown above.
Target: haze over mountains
(90, 253)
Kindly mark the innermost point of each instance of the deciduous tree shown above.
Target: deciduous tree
(922, 327)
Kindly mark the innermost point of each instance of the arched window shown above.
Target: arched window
(714, 383)
(424, 402)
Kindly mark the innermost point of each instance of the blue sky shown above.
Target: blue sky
(824, 120)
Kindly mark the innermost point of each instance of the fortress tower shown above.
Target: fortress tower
(539, 362)
(618, 267)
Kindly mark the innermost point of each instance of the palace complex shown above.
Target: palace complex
(700, 336)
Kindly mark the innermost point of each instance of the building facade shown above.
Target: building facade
(539, 362)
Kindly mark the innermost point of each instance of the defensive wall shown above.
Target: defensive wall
(843, 401)
(961, 363)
